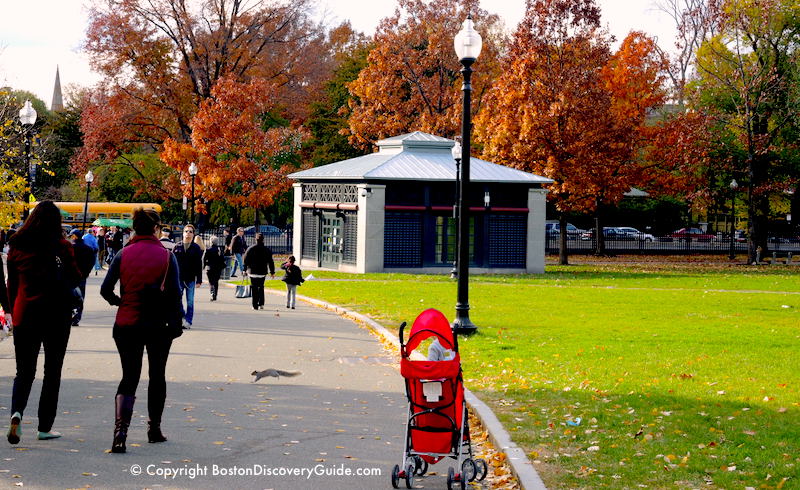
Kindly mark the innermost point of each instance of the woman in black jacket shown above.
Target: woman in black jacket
(214, 263)
(292, 278)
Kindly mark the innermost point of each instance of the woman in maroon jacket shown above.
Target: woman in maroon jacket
(149, 316)
(42, 276)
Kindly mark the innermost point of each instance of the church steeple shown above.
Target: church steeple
(58, 102)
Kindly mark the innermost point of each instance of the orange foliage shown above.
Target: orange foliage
(161, 61)
(678, 154)
(412, 81)
(568, 109)
(238, 160)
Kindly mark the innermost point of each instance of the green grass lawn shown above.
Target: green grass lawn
(682, 375)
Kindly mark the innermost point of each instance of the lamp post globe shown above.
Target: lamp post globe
(27, 117)
(467, 44)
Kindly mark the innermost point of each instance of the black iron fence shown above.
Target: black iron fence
(667, 245)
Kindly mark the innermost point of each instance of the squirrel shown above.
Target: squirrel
(275, 373)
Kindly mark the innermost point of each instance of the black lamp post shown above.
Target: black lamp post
(733, 185)
(27, 116)
(457, 157)
(193, 173)
(89, 177)
(468, 45)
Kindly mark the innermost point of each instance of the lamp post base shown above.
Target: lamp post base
(462, 325)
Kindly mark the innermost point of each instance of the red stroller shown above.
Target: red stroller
(437, 425)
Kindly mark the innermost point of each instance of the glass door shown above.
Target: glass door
(331, 236)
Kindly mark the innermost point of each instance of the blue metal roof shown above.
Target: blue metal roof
(415, 156)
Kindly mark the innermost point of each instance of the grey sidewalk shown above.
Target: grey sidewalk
(346, 413)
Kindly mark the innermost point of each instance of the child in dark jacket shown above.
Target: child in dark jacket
(292, 278)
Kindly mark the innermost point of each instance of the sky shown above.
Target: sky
(38, 35)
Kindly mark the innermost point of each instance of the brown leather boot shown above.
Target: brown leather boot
(123, 412)
(154, 432)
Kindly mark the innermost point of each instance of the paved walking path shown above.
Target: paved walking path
(345, 413)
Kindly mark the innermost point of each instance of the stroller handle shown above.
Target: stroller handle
(400, 336)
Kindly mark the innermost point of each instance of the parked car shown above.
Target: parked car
(609, 233)
(692, 234)
(553, 230)
(263, 229)
(629, 233)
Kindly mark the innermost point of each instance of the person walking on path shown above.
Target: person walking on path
(91, 240)
(292, 278)
(149, 317)
(42, 275)
(85, 258)
(190, 265)
(166, 239)
(114, 243)
(258, 263)
(214, 263)
(101, 249)
(238, 247)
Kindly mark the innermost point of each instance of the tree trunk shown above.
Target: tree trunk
(563, 258)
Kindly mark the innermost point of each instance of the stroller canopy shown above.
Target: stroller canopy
(430, 323)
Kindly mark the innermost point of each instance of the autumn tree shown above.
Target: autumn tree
(242, 157)
(567, 108)
(748, 79)
(412, 81)
(162, 61)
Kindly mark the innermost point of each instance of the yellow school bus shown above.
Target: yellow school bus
(72, 212)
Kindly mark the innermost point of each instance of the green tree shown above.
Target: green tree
(748, 80)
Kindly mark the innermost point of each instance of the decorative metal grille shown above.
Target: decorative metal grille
(310, 234)
(338, 193)
(350, 245)
(507, 240)
(402, 240)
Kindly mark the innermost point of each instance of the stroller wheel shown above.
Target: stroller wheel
(468, 470)
(396, 476)
(410, 476)
(482, 469)
(420, 465)
(451, 477)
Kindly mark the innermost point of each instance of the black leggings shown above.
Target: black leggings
(213, 282)
(131, 343)
(257, 287)
(27, 344)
